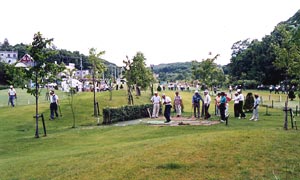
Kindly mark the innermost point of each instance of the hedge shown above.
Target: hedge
(126, 113)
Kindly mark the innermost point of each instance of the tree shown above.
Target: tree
(208, 72)
(287, 51)
(72, 91)
(39, 71)
(97, 67)
(137, 74)
(6, 46)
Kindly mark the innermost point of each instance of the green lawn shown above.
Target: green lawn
(242, 150)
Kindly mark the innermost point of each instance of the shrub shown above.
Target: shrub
(249, 102)
(158, 88)
(292, 95)
(125, 113)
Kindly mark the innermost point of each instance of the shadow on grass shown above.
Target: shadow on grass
(170, 166)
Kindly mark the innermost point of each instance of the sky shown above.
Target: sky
(165, 31)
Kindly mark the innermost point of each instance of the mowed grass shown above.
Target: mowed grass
(242, 150)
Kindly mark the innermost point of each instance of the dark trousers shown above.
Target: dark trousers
(236, 110)
(222, 111)
(167, 112)
(241, 112)
(53, 109)
(11, 100)
(197, 108)
(206, 108)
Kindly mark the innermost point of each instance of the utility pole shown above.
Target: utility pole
(81, 67)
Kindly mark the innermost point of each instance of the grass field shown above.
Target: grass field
(242, 150)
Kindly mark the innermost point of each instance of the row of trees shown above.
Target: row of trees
(273, 60)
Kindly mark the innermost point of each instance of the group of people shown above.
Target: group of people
(12, 95)
(166, 100)
(221, 104)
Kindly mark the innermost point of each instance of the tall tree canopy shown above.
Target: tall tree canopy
(270, 61)
(287, 52)
(208, 72)
(137, 73)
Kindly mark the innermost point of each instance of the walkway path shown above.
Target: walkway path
(176, 121)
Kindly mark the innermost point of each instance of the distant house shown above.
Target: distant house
(9, 57)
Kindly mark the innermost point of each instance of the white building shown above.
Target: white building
(82, 73)
(9, 57)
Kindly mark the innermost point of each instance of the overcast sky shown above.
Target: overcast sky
(164, 30)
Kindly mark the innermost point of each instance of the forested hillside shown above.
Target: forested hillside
(273, 60)
(174, 71)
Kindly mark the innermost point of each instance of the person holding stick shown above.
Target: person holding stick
(196, 100)
(168, 105)
(53, 105)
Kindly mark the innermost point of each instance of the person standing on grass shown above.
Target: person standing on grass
(217, 104)
(53, 105)
(12, 95)
(241, 103)
(223, 102)
(177, 104)
(228, 99)
(236, 101)
(196, 103)
(167, 102)
(156, 103)
(255, 108)
(206, 101)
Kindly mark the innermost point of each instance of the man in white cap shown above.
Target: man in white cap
(156, 103)
(196, 103)
(207, 101)
(12, 95)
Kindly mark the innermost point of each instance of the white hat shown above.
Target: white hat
(155, 92)
(238, 90)
(206, 91)
(196, 91)
(10, 86)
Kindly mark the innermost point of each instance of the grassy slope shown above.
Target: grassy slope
(243, 150)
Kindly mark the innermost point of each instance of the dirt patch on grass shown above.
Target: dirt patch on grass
(181, 121)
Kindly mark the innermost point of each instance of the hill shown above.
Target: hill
(174, 71)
